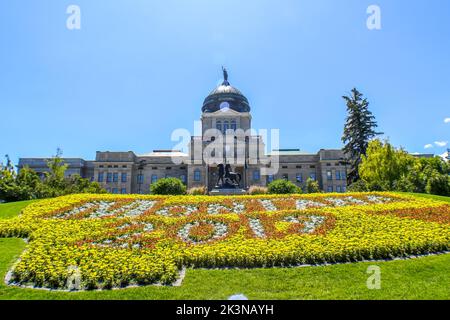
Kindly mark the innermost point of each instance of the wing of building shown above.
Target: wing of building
(225, 110)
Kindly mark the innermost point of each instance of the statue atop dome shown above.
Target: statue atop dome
(225, 92)
(225, 76)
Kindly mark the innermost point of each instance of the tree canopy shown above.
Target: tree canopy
(386, 168)
(28, 185)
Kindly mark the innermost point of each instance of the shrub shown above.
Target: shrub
(168, 186)
(255, 190)
(282, 186)
(312, 186)
(438, 184)
(197, 191)
(358, 186)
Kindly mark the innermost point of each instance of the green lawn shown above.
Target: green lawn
(422, 278)
(9, 210)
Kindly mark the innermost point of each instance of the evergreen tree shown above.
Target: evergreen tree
(358, 131)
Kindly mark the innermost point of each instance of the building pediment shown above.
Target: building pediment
(228, 112)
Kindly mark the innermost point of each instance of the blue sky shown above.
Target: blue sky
(138, 69)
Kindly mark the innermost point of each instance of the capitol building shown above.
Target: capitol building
(226, 138)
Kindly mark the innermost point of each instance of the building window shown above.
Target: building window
(299, 178)
(344, 189)
(285, 177)
(329, 175)
(116, 177)
(100, 177)
(124, 190)
(154, 168)
(298, 167)
(183, 178)
(338, 188)
(124, 166)
(330, 189)
(226, 126)
(219, 125)
(338, 175)
(115, 191)
(343, 176)
(124, 177)
(233, 125)
(140, 178)
(109, 177)
(197, 175)
(108, 190)
(284, 167)
(256, 175)
(312, 175)
(154, 178)
(269, 178)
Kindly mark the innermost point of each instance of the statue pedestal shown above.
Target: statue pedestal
(227, 192)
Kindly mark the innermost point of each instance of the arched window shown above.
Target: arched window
(197, 175)
(219, 125)
(226, 126)
(233, 125)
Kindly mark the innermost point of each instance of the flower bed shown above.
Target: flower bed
(115, 241)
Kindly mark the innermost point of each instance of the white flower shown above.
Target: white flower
(187, 210)
(257, 227)
(303, 204)
(268, 205)
(310, 222)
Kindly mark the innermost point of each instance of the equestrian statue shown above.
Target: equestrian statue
(227, 178)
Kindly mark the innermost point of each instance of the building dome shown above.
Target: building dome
(226, 96)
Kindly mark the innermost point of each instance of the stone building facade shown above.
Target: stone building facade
(226, 137)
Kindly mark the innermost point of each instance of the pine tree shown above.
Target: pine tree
(358, 131)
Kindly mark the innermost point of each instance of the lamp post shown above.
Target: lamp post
(246, 155)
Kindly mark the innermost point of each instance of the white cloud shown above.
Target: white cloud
(441, 143)
(447, 120)
(428, 146)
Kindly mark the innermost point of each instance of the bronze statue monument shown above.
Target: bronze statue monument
(227, 178)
